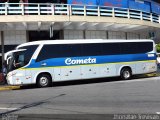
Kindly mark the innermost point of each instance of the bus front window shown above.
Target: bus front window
(19, 60)
(16, 60)
(20, 57)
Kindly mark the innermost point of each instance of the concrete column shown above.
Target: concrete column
(27, 36)
(107, 35)
(2, 46)
(84, 34)
(126, 36)
(85, 11)
(99, 14)
(61, 34)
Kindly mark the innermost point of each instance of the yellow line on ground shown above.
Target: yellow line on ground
(2, 88)
(153, 74)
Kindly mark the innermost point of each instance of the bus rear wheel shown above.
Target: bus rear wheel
(126, 74)
(43, 80)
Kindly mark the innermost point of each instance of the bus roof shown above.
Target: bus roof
(78, 41)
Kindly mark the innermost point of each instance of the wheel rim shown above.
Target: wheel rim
(126, 74)
(43, 81)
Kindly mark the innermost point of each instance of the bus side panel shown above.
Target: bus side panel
(28, 75)
(141, 68)
(19, 77)
(57, 74)
(108, 70)
(146, 67)
(151, 67)
(120, 66)
(90, 71)
(41, 70)
(70, 73)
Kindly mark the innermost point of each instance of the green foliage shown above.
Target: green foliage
(158, 47)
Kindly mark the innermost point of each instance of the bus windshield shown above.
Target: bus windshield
(19, 58)
(16, 60)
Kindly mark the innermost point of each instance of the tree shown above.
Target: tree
(158, 47)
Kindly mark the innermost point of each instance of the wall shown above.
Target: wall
(95, 34)
(114, 3)
(140, 5)
(144, 35)
(133, 36)
(116, 35)
(155, 8)
(143, 5)
(14, 37)
(73, 34)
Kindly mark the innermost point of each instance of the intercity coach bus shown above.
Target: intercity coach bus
(44, 62)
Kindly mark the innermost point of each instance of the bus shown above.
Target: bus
(47, 61)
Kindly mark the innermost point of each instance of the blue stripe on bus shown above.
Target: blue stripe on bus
(54, 62)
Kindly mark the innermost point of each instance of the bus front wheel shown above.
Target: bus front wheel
(44, 80)
(126, 73)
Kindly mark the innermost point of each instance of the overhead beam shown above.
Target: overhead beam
(66, 24)
(10, 25)
(82, 24)
(25, 25)
(39, 25)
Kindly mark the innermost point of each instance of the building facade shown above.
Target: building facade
(26, 21)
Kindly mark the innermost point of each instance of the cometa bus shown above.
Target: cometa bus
(44, 62)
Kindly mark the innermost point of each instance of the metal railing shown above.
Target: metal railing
(75, 10)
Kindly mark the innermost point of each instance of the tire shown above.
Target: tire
(126, 74)
(44, 80)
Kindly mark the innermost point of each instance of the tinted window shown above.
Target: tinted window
(56, 51)
(134, 48)
(128, 48)
(29, 52)
(71, 50)
(110, 48)
(49, 51)
(143, 47)
(91, 49)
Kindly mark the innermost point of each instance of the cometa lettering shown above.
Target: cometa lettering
(70, 61)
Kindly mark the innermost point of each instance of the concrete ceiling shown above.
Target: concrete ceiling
(40, 26)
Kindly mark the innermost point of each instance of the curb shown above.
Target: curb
(153, 75)
(3, 88)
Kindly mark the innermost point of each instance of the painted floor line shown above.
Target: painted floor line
(9, 88)
(1, 108)
(158, 113)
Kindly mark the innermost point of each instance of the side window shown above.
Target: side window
(71, 50)
(128, 48)
(145, 47)
(48, 51)
(59, 51)
(29, 52)
(136, 47)
(111, 48)
(92, 49)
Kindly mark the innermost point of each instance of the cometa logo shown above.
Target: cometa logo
(70, 61)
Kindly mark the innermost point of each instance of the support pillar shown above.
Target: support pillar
(2, 46)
